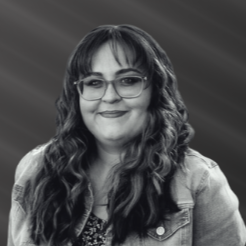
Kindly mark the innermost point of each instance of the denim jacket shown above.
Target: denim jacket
(209, 214)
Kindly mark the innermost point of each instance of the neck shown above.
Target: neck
(108, 155)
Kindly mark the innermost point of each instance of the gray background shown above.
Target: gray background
(205, 40)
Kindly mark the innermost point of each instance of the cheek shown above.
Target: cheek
(140, 110)
(144, 101)
(87, 108)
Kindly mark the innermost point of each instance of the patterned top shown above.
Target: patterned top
(93, 233)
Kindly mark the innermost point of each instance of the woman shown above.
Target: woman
(119, 170)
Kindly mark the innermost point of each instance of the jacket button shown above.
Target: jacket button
(160, 230)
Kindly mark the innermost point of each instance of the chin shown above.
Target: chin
(115, 139)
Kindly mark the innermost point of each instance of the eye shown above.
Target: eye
(129, 81)
(94, 83)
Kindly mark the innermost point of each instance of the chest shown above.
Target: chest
(175, 231)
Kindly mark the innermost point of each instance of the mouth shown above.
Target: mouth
(112, 114)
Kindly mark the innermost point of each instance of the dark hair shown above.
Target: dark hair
(140, 194)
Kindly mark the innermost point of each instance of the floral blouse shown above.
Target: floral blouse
(93, 233)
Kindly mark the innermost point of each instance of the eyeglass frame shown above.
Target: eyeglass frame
(144, 78)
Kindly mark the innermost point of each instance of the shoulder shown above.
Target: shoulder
(194, 159)
(196, 174)
(205, 171)
(202, 187)
(29, 164)
(198, 168)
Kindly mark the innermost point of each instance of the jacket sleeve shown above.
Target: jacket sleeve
(10, 239)
(18, 226)
(217, 221)
(17, 214)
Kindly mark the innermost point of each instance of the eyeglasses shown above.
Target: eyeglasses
(94, 89)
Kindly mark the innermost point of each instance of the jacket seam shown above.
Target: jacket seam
(19, 206)
(202, 183)
(204, 160)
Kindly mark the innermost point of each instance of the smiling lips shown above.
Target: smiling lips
(112, 114)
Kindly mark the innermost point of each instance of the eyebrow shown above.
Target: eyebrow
(119, 72)
(126, 70)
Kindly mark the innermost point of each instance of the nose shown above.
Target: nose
(111, 94)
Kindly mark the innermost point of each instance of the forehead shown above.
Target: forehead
(112, 56)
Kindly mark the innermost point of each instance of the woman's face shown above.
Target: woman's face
(114, 120)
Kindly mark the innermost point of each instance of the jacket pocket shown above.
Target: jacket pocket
(171, 226)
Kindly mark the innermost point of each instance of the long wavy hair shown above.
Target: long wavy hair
(139, 196)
